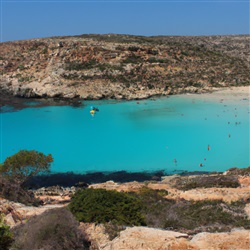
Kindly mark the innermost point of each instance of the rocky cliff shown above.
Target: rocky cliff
(122, 66)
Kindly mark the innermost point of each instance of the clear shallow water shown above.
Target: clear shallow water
(170, 134)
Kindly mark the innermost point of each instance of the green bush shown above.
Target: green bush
(21, 67)
(100, 206)
(219, 181)
(6, 236)
(133, 59)
(239, 171)
(77, 65)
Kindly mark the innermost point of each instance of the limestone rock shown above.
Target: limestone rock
(16, 213)
(141, 238)
(235, 240)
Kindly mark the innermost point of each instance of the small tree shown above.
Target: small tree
(25, 164)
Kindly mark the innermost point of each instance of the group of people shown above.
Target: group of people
(201, 164)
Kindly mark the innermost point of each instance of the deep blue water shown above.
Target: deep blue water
(171, 134)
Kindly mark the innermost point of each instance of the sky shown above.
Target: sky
(26, 19)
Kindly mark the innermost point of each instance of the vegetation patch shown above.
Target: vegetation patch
(210, 216)
(78, 65)
(134, 59)
(6, 237)
(101, 206)
(55, 229)
(220, 181)
(190, 216)
(239, 171)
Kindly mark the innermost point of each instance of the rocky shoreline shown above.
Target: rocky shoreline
(16, 101)
(147, 237)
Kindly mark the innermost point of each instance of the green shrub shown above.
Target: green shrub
(21, 67)
(239, 171)
(6, 236)
(220, 181)
(100, 206)
(149, 195)
(45, 50)
(133, 59)
(77, 65)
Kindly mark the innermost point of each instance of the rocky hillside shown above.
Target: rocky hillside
(122, 66)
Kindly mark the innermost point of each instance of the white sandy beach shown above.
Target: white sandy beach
(242, 90)
(226, 94)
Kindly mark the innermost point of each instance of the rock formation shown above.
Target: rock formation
(121, 66)
(143, 238)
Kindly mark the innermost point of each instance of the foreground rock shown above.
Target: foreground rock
(16, 213)
(144, 238)
(235, 240)
(149, 238)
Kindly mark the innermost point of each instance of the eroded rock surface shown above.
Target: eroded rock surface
(121, 66)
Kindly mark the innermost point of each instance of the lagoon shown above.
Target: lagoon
(207, 132)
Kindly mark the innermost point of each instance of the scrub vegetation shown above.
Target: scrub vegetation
(239, 171)
(100, 206)
(219, 181)
(190, 216)
(150, 207)
(55, 229)
(6, 237)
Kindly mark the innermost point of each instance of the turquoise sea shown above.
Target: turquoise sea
(179, 133)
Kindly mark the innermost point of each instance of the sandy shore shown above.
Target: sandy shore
(228, 94)
(243, 90)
